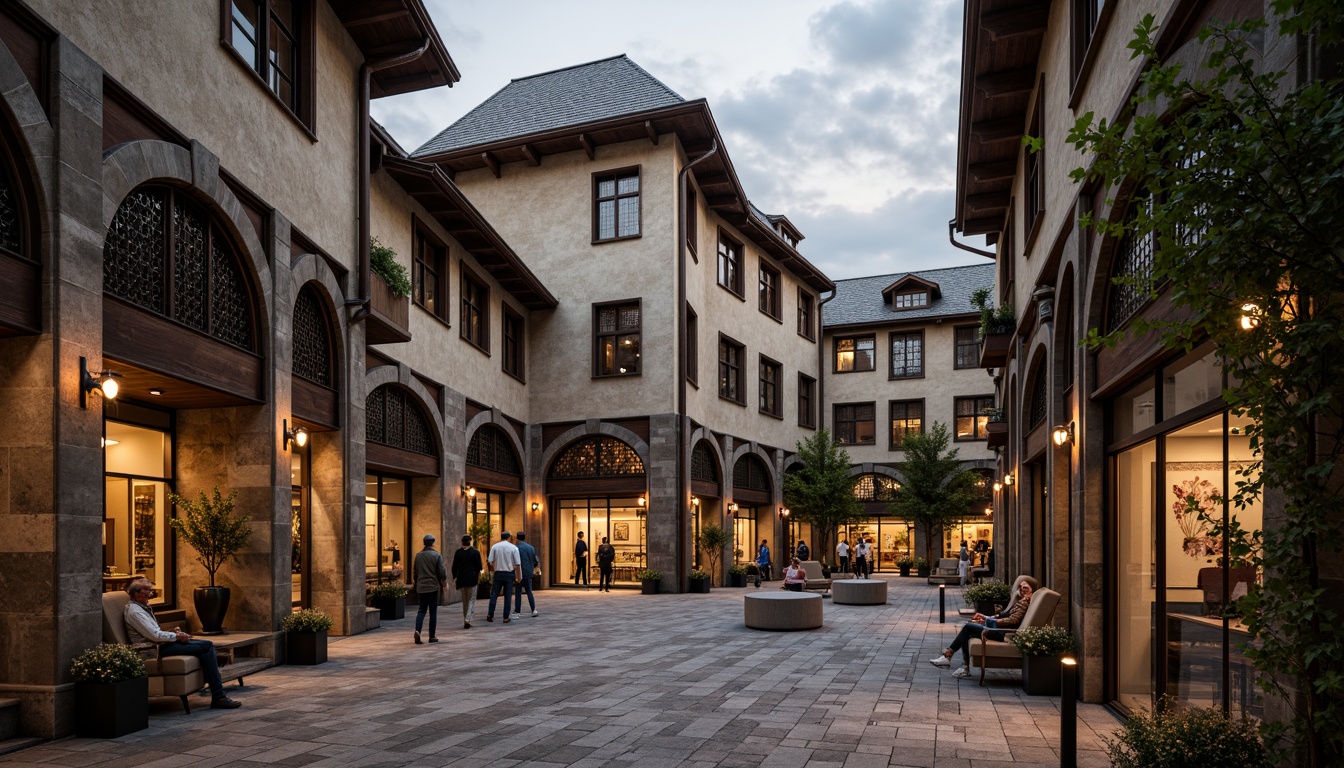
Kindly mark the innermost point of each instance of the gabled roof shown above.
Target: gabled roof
(912, 282)
(860, 301)
(583, 93)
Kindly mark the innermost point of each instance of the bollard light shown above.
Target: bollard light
(1068, 713)
(942, 603)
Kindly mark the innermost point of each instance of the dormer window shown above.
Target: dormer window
(910, 292)
(910, 300)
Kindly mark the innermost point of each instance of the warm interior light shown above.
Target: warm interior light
(695, 501)
(784, 511)
(156, 392)
(536, 507)
(470, 491)
(732, 507)
(643, 502)
(1250, 316)
(1068, 661)
(989, 511)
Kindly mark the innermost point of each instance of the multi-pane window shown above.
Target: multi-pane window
(730, 264)
(854, 353)
(806, 308)
(732, 385)
(907, 355)
(771, 374)
(616, 204)
(1034, 184)
(429, 275)
(769, 290)
(475, 320)
(971, 416)
(907, 418)
(692, 346)
(515, 349)
(807, 401)
(968, 347)
(1086, 13)
(855, 424)
(692, 219)
(271, 37)
(616, 339)
(910, 300)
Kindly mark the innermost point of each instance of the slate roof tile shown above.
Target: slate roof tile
(859, 300)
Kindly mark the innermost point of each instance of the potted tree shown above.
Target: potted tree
(210, 527)
(389, 597)
(921, 567)
(481, 531)
(649, 581)
(698, 582)
(1041, 649)
(905, 564)
(711, 540)
(986, 595)
(306, 636)
(737, 576)
(111, 691)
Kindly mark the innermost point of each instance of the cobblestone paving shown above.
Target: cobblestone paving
(619, 679)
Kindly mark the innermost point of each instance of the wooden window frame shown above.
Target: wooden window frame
(421, 240)
(599, 335)
(736, 371)
(1033, 172)
(896, 300)
(892, 445)
(513, 351)
(836, 421)
(978, 404)
(730, 246)
(807, 401)
(807, 308)
(616, 175)
(304, 109)
(762, 385)
(470, 284)
(891, 352)
(835, 353)
(769, 282)
(973, 346)
(692, 346)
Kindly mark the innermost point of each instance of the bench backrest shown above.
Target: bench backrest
(1042, 608)
(947, 565)
(812, 570)
(114, 617)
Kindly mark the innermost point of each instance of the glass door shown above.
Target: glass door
(137, 463)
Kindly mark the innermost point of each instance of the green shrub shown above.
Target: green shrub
(1178, 738)
(992, 320)
(1044, 641)
(990, 590)
(307, 620)
(905, 562)
(648, 575)
(738, 570)
(210, 527)
(699, 574)
(919, 562)
(383, 263)
(388, 589)
(752, 569)
(107, 663)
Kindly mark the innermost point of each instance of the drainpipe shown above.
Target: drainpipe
(951, 227)
(821, 362)
(363, 225)
(681, 336)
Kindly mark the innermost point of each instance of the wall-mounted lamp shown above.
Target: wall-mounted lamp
(989, 511)
(1008, 479)
(536, 507)
(102, 382)
(642, 502)
(468, 491)
(998, 486)
(298, 435)
(732, 507)
(1062, 434)
(1250, 316)
(695, 502)
(783, 511)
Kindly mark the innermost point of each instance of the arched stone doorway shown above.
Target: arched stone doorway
(594, 485)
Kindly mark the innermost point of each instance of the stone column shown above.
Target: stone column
(667, 515)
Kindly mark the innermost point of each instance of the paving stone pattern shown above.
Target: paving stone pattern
(620, 679)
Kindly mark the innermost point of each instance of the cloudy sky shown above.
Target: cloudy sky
(840, 114)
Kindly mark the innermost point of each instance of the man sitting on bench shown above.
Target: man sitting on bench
(142, 627)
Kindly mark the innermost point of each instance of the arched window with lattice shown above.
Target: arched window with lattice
(597, 456)
(1131, 284)
(874, 487)
(13, 232)
(490, 448)
(312, 339)
(749, 473)
(1039, 405)
(164, 253)
(394, 419)
(704, 465)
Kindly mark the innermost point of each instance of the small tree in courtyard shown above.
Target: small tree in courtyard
(820, 492)
(711, 540)
(936, 488)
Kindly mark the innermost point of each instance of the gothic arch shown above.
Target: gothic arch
(401, 375)
(599, 428)
(495, 418)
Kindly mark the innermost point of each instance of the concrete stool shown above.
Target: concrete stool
(859, 592)
(784, 611)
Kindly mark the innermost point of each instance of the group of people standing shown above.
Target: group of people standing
(512, 567)
(606, 562)
(861, 553)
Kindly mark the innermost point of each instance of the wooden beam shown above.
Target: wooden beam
(987, 201)
(996, 171)
(587, 144)
(1011, 83)
(1029, 19)
(983, 226)
(711, 178)
(375, 18)
(530, 152)
(718, 201)
(649, 129)
(492, 162)
(1001, 129)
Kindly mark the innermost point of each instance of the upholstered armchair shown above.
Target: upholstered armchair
(1002, 654)
(178, 676)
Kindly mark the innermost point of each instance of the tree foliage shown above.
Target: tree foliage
(1240, 172)
(936, 489)
(211, 528)
(711, 540)
(821, 491)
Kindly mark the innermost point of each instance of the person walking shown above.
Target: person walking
(861, 553)
(580, 561)
(530, 563)
(803, 553)
(606, 560)
(431, 582)
(842, 554)
(964, 563)
(467, 576)
(872, 557)
(763, 560)
(507, 570)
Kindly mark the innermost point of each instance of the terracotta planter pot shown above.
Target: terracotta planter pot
(1041, 675)
(109, 710)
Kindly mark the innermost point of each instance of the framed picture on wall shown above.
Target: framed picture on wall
(984, 533)
(620, 531)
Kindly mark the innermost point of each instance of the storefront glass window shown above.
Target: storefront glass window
(1134, 411)
(136, 542)
(1190, 383)
(621, 520)
(745, 541)
(386, 526)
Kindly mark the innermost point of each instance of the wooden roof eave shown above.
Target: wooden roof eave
(380, 32)
(480, 239)
(778, 247)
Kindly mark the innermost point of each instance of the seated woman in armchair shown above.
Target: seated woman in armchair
(985, 626)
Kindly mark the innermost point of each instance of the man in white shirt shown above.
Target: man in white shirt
(142, 627)
(507, 566)
(861, 553)
(842, 554)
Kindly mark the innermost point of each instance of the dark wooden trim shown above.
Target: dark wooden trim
(315, 403)
(492, 480)
(385, 458)
(597, 486)
(706, 488)
(20, 294)
(835, 342)
(923, 418)
(304, 111)
(506, 314)
(596, 338)
(923, 358)
(724, 338)
(615, 175)
(752, 496)
(778, 367)
(126, 118)
(738, 290)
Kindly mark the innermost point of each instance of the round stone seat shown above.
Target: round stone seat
(859, 592)
(782, 611)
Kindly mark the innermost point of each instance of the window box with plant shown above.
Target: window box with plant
(996, 329)
(649, 581)
(987, 596)
(737, 576)
(389, 597)
(698, 582)
(207, 524)
(306, 636)
(111, 691)
(389, 296)
(1041, 649)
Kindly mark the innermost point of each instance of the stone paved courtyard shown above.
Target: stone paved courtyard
(620, 679)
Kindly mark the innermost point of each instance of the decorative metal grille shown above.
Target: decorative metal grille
(191, 268)
(491, 449)
(312, 353)
(11, 226)
(703, 465)
(875, 488)
(391, 419)
(230, 315)
(1131, 277)
(597, 457)
(1040, 392)
(749, 473)
(133, 251)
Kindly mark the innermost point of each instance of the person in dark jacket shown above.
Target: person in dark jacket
(466, 570)
(527, 554)
(803, 553)
(580, 561)
(431, 581)
(606, 559)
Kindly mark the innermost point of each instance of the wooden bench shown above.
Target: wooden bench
(782, 611)
(235, 653)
